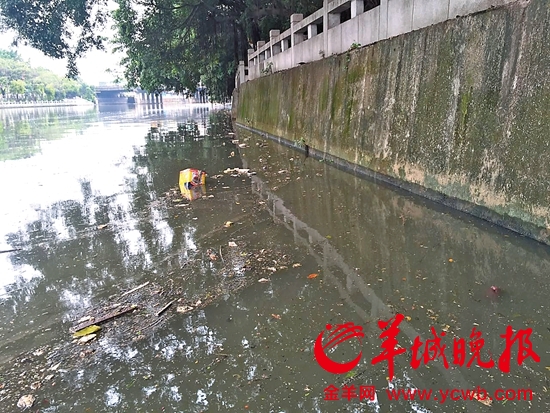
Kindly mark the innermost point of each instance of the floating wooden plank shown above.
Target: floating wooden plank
(103, 319)
(134, 289)
(166, 307)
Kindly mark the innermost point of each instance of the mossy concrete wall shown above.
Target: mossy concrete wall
(461, 109)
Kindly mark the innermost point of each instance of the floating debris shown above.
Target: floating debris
(26, 402)
(184, 309)
(135, 289)
(166, 307)
(86, 339)
(86, 331)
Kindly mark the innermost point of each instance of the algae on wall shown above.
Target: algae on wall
(462, 108)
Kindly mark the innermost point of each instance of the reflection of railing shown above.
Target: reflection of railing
(328, 258)
(344, 24)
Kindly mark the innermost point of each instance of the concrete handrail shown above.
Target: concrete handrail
(347, 22)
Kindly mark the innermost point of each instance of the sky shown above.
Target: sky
(92, 67)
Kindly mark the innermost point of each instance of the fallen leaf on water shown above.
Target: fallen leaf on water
(36, 385)
(408, 318)
(55, 367)
(227, 224)
(184, 309)
(26, 402)
(296, 265)
(547, 368)
(276, 316)
(102, 226)
(86, 318)
(487, 401)
(86, 353)
(86, 331)
(310, 276)
(263, 280)
(232, 244)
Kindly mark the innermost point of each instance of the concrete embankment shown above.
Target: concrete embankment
(458, 112)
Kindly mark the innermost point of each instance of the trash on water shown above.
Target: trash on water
(192, 183)
(85, 331)
(85, 339)
(26, 401)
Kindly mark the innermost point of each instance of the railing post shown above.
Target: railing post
(261, 56)
(275, 48)
(311, 31)
(251, 64)
(242, 77)
(383, 24)
(325, 27)
(357, 7)
(296, 37)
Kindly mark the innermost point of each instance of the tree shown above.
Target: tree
(169, 44)
(174, 45)
(13, 68)
(52, 26)
(49, 90)
(17, 87)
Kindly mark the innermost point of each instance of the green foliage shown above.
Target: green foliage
(268, 69)
(19, 81)
(172, 46)
(168, 45)
(52, 27)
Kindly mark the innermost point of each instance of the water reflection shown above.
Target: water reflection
(100, 224)
(377, 252)
(22, 130)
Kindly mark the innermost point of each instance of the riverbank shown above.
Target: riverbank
(61, 103)
(444, 112)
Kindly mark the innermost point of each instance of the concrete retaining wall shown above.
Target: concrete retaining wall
(458, 111)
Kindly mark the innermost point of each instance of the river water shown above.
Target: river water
(84, 207)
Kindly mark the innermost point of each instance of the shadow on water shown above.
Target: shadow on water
(377, 252)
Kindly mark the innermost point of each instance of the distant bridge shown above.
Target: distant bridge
(114, 94)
